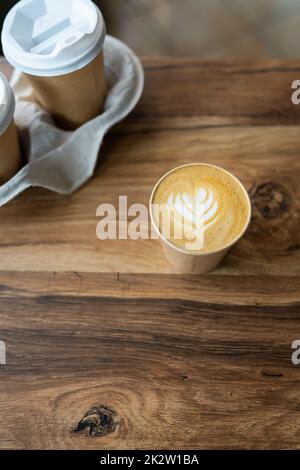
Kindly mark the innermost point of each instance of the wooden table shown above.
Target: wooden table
(107, 348)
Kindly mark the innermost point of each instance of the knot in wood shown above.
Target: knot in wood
(97, 422)
(270, 199)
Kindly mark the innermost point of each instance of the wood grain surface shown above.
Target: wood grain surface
(107, 347)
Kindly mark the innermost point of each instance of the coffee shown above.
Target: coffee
(59, 46)
(199, 212)
(10, 155)
(207, 208)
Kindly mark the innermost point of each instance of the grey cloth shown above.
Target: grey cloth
(63, 161)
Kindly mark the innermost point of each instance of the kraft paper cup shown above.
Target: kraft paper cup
(190, 262)
(10, 155)
(58, 45)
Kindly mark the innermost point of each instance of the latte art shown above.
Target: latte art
(201, 208)
(193, 213)
(189, 208)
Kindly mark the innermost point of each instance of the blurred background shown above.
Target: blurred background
(203, 28)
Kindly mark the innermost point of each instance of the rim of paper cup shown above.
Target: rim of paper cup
(85, 58)
(7, 115)
(211, 252)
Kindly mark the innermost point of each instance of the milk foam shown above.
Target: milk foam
(205, 206)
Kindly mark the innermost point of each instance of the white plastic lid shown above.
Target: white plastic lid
(7, 104)
(53, 37)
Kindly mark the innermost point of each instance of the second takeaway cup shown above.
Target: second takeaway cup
(58, 45)
(10, 155)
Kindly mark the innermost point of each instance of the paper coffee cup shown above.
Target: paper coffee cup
(10, 155)
(58, 44)
(204, 260)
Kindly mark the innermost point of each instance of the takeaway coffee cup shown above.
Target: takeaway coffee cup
(10, 155)
(58, 45)
(199, 211)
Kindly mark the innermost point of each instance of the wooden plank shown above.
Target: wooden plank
(106, 332)
(257, 92)
(43, 231)
(273, 291)
(172, 373)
